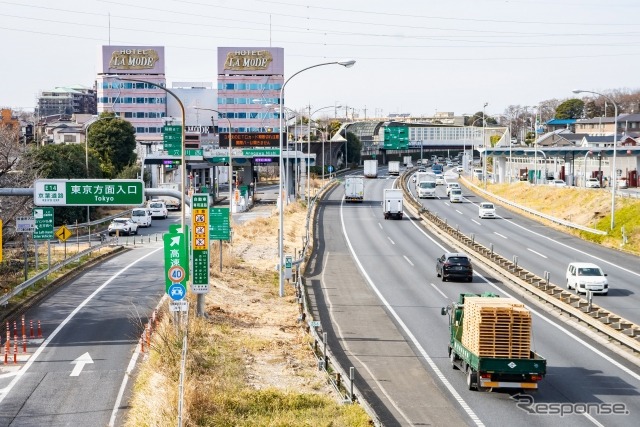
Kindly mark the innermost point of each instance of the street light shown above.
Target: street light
(309, 150)
(615, 148)
(484, 143)
(281, 207)
(230, 158)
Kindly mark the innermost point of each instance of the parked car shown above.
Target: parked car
(486, 210)
(141, 216)
(586, 276)
(455, 195)
(454, 265)
(557, 183)
(122, 226)
(158, 209)
(592, 183)
(621, 183)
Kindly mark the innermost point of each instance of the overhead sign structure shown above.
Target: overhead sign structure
(88, 192)
(250, 139)
(200, 243)
(172, 139)
(219, 224)
(176, 253)
(63, 233)
(44, 223)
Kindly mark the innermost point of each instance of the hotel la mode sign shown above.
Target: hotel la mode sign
(133, 59)
(248, 60)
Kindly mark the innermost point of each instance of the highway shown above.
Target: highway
(76, 375)
(540, 248)
(376, 293)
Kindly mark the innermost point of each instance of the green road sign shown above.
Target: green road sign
(88, 192)
(176, 253)
(172, 139)
(193, 152)
(172, 129)
(200, 243)
(262, 152)
(219, 224)
(44, 223)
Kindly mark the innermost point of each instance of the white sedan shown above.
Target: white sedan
(486, 210)
(557, 183)
(123, 226)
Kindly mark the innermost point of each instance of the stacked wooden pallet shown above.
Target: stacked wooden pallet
(496, 327)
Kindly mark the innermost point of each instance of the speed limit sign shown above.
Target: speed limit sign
(176, 274)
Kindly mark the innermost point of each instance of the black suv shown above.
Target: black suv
(452, 265)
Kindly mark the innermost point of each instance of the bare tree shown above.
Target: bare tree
(15, 172)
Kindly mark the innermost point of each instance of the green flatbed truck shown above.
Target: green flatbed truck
(485, 373)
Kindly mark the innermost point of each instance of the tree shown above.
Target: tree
(114, 140)
(355, 148)
(570, 109)
(16, 171)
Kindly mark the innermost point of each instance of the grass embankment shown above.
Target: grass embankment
(585, 206)
(249, 363)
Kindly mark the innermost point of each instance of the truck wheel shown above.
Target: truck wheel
(453, 358)
(472, 379)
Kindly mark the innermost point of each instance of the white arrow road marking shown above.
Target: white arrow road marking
(80, 362)
(175, 241)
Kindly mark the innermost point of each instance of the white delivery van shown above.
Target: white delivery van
(141, 216)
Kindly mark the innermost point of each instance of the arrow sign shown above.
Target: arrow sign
(175, 240)
(80, 362)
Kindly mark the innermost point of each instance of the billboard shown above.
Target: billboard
(250, 139)
(132, 60)
(251, 60)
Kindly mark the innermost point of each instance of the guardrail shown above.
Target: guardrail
(615, 327)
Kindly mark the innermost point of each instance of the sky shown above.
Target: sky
(413, 57)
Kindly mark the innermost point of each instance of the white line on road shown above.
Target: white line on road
(408, 260)
(473, 220)
(459, 212)
(498, 234)
(380, 225)
(5, 391)
(537, 253)
(392, 242)
(441, 293)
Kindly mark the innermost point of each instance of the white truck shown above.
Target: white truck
(371, 168)
(392, 203)
(354, 188)
(172, 203)
(394, 167)
(426, 188)
(407, 160)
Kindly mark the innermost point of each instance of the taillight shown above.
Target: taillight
(536, 377)
(485, 376)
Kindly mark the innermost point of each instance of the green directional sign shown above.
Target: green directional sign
(193, 152)
(44, 223)
(219, 224)
(262, 152)
(176, 253)
(172, 139)
(88, 192)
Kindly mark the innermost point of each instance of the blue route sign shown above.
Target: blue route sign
(177, 292)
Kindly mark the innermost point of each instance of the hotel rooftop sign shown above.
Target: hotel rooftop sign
(132, 59)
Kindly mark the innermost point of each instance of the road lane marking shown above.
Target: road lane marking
(392, 242)
(473, 220)
(408, 260)
(465, 406)
(459, 212)
(500, 235)
(5, 391)
(441, 293)
(537, 253)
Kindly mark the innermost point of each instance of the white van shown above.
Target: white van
(455, 195)
(141, 216)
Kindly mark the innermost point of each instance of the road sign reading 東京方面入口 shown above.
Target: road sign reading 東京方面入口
(88, 192)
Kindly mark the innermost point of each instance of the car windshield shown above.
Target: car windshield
(156, 205)
(486, 206)
(589, 271)
(138, 213)
(458, 260)
(456, 191)
(120, 221)
(427, 184)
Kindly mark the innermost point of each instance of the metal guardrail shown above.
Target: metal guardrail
(615, 327)
(42, 275)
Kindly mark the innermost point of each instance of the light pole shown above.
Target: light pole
(281, 206)
(484, 143)
(309, 150)
(614, 174)
(230, 179)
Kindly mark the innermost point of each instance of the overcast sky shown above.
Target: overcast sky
(413, 56)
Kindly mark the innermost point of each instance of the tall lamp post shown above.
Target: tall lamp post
(230, 158)
(281, 205)
(484, 143)
(309, 150)
(614, 173)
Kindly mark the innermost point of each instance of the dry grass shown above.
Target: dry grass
(249, 362)
(584, 206)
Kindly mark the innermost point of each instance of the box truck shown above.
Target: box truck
(392, 203)
(371, 168)
(394, 167)
(354, 189)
